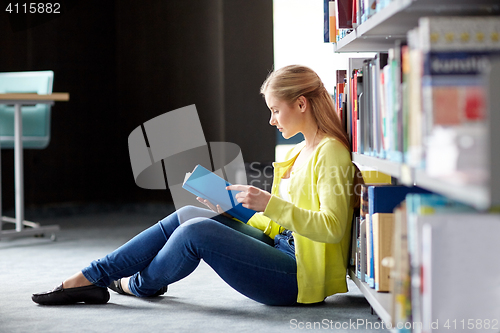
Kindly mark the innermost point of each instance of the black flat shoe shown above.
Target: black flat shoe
(116, 286)
(59, 296)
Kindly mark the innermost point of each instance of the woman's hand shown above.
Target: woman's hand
(251, 197)
(214, 208)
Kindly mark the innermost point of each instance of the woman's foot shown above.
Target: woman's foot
(77, 280)
(63, 296)
(73, 290)
(121, 287)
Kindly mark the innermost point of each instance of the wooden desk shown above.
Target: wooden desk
(34, 228)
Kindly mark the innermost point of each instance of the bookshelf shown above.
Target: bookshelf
(380, 302)
(480, 197)
(378, 34)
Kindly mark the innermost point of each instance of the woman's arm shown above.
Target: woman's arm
(321, 198)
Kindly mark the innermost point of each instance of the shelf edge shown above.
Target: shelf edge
(372, 297)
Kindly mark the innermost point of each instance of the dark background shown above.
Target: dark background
(123, 63)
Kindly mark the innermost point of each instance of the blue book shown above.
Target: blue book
(326, 21)
(207, 185)
(383, 199)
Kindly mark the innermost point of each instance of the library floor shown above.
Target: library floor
(202, 302)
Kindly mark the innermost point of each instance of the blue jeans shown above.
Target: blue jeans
(242, 256)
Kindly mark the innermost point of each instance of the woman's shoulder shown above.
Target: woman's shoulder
(332, 148)
(295, 149)
(329, 143)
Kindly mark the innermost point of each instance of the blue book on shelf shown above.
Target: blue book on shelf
(206, 184)
(383, 199)
(326, 21)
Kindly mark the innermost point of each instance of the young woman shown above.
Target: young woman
(295, 250)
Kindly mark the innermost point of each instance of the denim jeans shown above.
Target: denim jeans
(242, 256)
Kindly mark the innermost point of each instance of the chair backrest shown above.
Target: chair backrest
(36, 118)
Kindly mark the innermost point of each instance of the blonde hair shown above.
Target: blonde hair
(291, 82)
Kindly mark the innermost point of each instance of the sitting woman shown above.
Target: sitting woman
(295, 250)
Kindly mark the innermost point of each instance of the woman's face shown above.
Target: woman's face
(288, 118)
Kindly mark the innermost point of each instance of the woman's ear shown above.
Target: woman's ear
(302, 103)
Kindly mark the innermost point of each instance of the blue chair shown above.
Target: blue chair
(35, 133)
(36, 119)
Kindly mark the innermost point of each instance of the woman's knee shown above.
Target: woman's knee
(187, 213)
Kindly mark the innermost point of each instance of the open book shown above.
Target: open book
(207, 185)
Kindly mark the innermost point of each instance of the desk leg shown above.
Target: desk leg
(18, 166)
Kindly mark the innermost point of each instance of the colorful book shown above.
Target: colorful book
(208, 185)
(383, 199)
(332, 21)
(455, 51)
(424, 208)
(326, 21)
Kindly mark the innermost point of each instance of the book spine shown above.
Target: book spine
(333, 21)
(326, 21)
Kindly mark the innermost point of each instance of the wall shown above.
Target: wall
(125, 62)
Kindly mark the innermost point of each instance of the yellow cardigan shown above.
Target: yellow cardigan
(319, 214)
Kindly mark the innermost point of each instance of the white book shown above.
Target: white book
(461, 274)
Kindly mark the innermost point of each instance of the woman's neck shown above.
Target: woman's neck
(312, 137)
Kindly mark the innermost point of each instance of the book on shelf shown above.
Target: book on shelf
(366, 121)
(413, 142)
(362, 269)
(353, 110)
(354, 14)
(400, 282)
(375, 177)
(332, 21)
(453, 53)
(357, 12)
(379, 62)
(376, 114)
(355, 91)
(343, 14)
(426, 105)
(387, 89)
(340, 96)
(382, 199)
(361, 257)
(383, 233)
(364, 111)
(210, 186)
(424, 208)
(372, 8)
(326, 21)
(355, 234)
(460, 275)
(370, 177)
